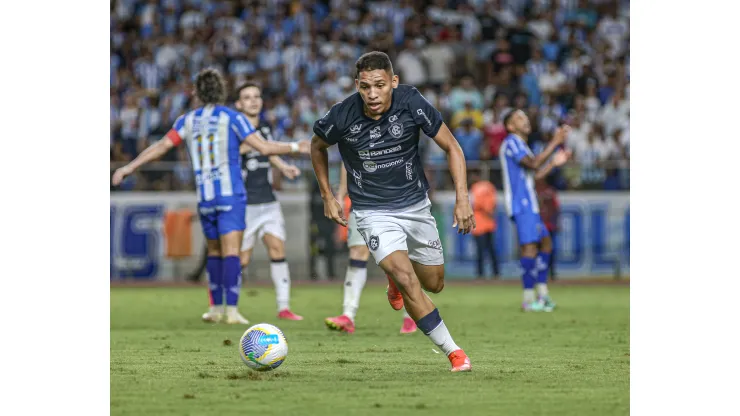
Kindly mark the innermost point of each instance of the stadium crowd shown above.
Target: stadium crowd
(561, 61)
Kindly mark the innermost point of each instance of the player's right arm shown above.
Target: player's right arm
(342, 191)
(536, 162)
(151, 153)
(252, 138)
(326, 134)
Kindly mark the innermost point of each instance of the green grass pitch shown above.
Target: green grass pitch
(574, 361)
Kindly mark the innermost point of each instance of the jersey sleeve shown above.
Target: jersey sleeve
(241, 126)
(425, 115)
(177, 131)
(515, 151)
(326, 127)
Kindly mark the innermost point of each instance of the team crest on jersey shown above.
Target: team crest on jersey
(374, 242)
(393, 118)
(396, 130)
(355, 129)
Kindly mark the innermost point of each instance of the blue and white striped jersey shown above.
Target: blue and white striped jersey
(213, 134)
(519, 194)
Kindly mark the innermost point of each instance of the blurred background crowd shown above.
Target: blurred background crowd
(561, 61)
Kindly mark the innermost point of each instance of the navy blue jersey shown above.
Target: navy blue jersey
(257, 172)
(382, 156)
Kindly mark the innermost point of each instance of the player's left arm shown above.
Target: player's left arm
(456, 159)
(558, 159)
(290, 171)
(151, 153)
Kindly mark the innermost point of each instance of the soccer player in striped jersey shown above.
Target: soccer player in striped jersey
(216, 136)
(264, 215)
(356, 276)
(520, 168)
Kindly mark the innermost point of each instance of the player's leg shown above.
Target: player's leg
(421, 308)
(543, 263)
(492, 252)
(280, 274)
(213, 267)
(231, 226)
(388, 235)
(529, 237)
(480, 251)
(354, 279)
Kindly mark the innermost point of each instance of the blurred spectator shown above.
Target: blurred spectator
(560, 60)
(469, 113)
(470, 139)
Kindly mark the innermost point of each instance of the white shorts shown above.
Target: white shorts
(263, 219)
(354, 238)
(412, 229)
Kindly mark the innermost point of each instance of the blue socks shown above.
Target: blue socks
(232, 279)
(543, 262)
(529, 275)
(215, 280)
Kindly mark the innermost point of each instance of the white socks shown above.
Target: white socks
(281, 278)
(441, 337)
(354, 282)
(528, 296)
(541, 289)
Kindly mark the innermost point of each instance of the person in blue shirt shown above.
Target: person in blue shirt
(520, 168)
(216, 136)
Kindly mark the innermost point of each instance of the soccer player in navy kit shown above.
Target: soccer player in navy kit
(215, 136)
(264, 216)
(520, 169)
(377, 131)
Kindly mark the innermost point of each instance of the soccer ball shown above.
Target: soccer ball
(263, 347)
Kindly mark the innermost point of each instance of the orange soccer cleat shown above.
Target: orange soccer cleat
(394, 295)
(409, 326)
(460, 361)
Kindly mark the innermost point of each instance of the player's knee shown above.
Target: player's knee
(359, 253)
(546, 245)
(436, 286)
(405, 279)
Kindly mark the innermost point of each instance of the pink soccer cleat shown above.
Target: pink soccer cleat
(341, 323)
(409, 326)
(460, 361)
(289, 316)
(394, 295)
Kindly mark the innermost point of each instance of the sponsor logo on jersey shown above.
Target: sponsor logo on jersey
(410, 170)
(375, 133)
(358, 178)
(329, 130)
(421, 113)
(393, 118)
(367, 154)
(349, 139)
(355, 129)
(396, 130)
(371, 166)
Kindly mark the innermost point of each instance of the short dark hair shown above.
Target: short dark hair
(372, 61)
(210, 86)
(508, 117)
(247, 84)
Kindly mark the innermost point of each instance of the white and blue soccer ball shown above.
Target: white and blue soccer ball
(263, 347)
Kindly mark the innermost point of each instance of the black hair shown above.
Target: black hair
(507, 118)
(210, 86)
(372, 61)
